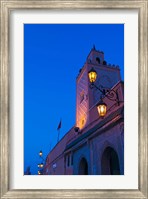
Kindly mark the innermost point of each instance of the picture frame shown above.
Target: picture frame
(6, 7)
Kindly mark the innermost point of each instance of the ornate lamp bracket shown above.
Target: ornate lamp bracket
(106, 92)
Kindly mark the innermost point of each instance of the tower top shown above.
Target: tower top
(94, 48)
(95, 56)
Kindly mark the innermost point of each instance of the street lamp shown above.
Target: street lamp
(102, 108)
(41, 165)
(106, 92)
(92, 75)
(39, 172)
(40, 153)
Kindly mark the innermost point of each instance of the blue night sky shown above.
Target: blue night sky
(53, 56)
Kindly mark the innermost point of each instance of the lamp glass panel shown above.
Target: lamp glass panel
(92, 76)
(102, 110)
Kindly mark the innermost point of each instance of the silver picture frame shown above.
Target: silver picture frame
(142, 7)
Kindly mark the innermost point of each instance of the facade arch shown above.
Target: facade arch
(110, 162)
(99, 154)
(83, 166)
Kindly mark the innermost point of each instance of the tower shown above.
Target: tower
(86, 98)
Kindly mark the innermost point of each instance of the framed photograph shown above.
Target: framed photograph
(74, 99)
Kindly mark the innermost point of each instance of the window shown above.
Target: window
(98, 60)
(82, 122)
(71, 159)
(68, 160)
(104, 62)
(81, 96)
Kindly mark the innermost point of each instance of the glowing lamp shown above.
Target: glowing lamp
(102, 108)
(39, 173)
(41, 165)
(92, 74)
(40, 153)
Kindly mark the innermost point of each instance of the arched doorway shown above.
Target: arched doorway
(110, 162)
(83, 167)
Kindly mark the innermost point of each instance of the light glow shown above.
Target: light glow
(39, 173)
(40, 153)
(41, 165)
(82, 122)
(102, 108)
(92, 74)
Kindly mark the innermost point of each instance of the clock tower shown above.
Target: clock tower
(86, 98)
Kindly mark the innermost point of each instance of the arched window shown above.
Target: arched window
(98, 60)
(110, 162)
(104, 62)
(83, 167)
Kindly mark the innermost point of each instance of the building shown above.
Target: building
(95, 145)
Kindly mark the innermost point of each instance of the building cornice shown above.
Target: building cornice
(99, 128)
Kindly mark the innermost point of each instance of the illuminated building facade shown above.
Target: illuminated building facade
(95, 145)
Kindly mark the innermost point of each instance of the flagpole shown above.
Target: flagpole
(59, 126)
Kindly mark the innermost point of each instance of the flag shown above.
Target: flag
(59, 126)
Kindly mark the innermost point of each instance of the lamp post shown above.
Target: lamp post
(106, 92)
(40, 153)
(41, 165)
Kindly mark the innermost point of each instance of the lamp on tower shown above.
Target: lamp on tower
(102, 108)
(110, 94)
(92, 75)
